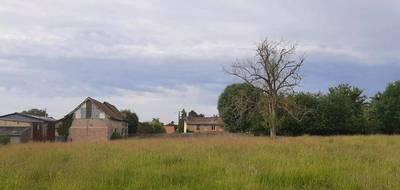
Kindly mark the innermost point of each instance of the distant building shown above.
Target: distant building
(25, 128)
(96, 121)
(203, 125)
(169, 129)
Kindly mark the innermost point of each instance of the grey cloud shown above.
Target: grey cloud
(72, 49)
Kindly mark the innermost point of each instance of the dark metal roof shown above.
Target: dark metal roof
(26, 118)
(204, 121)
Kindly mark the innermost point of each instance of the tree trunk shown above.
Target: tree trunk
(273, 131)
(273, 125)
(273, 128)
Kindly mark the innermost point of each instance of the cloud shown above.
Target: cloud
(212, 29)
(142, 52)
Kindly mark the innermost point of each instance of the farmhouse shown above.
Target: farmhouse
(96, 121)
(203, 125)
(24, 127)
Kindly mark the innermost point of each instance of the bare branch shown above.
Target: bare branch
(274, 70)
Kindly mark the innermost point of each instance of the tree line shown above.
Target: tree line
(266, 100)
(343, 110)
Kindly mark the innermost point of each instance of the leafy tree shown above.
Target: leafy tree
(145, 128)
(372, 123)
(386, 107)
(157, 125)
(275, 72)
(193, 113)
(239, 107)
(36, 112)
(341, 110)
(154, 126)
(133, 120)
(310, 123)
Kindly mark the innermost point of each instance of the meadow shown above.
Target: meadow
(216, 162)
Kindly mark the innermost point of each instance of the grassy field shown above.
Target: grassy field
(218, 162)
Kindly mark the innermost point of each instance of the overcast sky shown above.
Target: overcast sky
(156, 56)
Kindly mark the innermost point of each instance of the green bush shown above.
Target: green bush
(240, 108)
(152, 127)
(4, 139)
(63, 130)
(116, 136)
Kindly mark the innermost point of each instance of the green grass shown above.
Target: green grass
(219, 162)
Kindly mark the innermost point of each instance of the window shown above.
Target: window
(102, 115)
(88, 110)
(97, 114)
(81, 112)
(78, 114)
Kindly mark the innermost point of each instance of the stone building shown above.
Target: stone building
(96, 121)
(203, 125)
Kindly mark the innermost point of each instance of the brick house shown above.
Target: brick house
(96, 121)
(203, 125)
(25, 128)
(169, 129)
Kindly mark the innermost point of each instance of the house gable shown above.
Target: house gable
(87, 110)
(91, 108)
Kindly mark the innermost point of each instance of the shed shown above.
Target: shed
(38, 128)
(16, 134)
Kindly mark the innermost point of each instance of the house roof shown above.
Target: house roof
(41, 117)
(109, 109)
(106, 107)
(204, 121)
(26, 118)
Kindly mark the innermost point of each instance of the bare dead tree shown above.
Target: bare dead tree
(275, 71)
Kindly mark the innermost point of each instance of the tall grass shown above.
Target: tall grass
(220, 162)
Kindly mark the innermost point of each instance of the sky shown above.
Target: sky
(156, 57)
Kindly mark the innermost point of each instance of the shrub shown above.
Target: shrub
(152, 127)
(63, 130)
(4, 139)
(116, 136)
